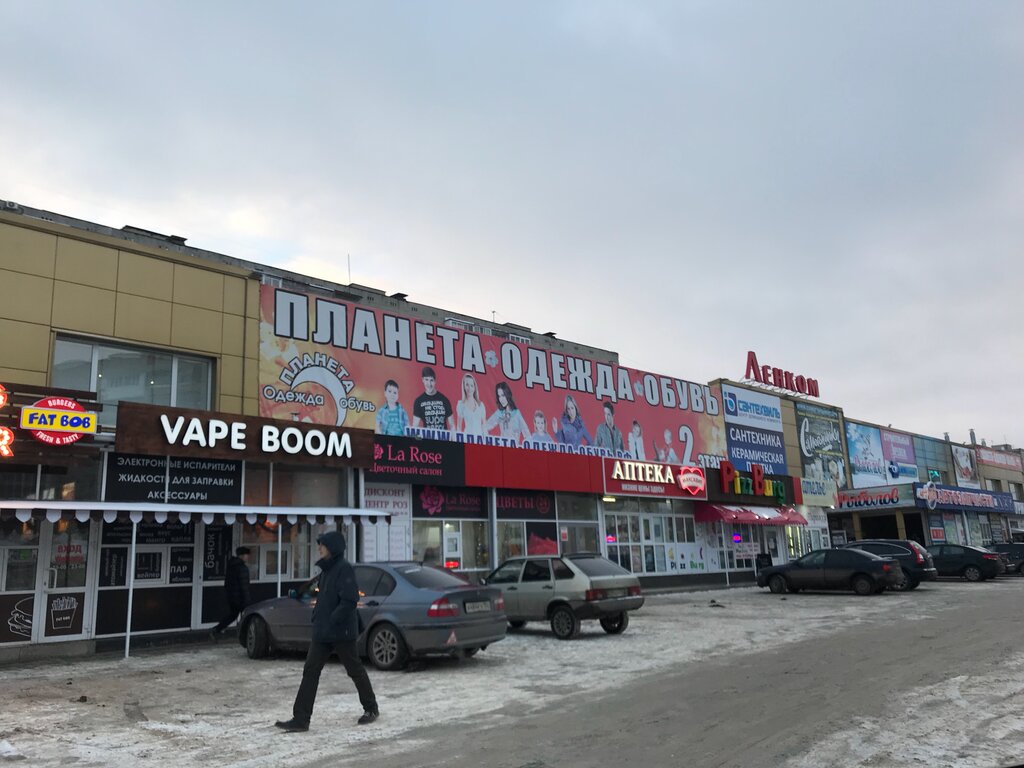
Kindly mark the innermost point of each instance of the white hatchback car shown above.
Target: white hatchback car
(567, 590)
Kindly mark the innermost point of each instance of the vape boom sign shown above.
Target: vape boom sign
(58, 421)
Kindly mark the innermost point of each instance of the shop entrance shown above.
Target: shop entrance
(880, 527)
(63, 610)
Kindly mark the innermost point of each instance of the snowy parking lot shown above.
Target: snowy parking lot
(209, 704)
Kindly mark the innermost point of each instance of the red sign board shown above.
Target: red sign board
(625, 477)
(777, 377)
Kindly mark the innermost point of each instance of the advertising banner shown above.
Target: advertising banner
(936, 530)
(394, 541)
(899, 456)
(934, 496)
(330, 363)
(525, 505)
(132, 477)
(753, 424)
(465, 503)
(818, 493)
(821, 443)
(879, 497)
(401, 460)
(999, 459)
(867, 464)
(965, 467)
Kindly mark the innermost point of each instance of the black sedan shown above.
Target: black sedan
(854, 569)
(971, 563)
(405, 609)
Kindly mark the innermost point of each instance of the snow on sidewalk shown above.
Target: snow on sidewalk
(214, 706)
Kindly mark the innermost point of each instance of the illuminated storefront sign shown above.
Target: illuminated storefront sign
(623, 477)
(6, 435)
(58, 421)
(736, 483)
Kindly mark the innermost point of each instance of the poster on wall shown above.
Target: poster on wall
(327, 362)
(686, 558)
(753, 428)
(900, 459)
(867, 464)
(64, 614)
(388, 542)
(464, 503)
(1000, 459)
(936, 529)
(821, 443)
(965, 467)
(541, 539)
(16, 618)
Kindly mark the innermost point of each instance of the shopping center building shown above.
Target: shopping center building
(163, 405)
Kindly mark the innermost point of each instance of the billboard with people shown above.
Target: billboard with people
(329, 362)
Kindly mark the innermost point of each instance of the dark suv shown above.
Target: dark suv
(973, 563)
(1014, 556)
(914, 559)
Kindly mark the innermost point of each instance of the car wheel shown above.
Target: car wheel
(564, 623)
(517, 624)
(862, 585)
(257, 638)
(904, 583)
(793, 590)
(469, 653)
(777, 584)
(972, 573)
(615, 625)
(386, 648)
(913, 584)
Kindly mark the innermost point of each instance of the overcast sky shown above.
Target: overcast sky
(837, 186)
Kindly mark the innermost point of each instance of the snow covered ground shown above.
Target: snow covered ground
(211, 705)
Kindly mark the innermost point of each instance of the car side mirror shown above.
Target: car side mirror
(293, 594)
(483, 579)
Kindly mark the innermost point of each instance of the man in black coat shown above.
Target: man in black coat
(335, 628)
(236, 587)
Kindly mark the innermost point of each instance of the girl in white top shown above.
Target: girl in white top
(636, 442)
(471, 412)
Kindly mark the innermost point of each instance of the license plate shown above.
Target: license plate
(478, 607)
(616, 593)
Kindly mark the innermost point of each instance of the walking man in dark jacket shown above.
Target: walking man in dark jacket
(236, 585)
(335, 628)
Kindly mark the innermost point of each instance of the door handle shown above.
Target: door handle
(547, 586)
(372, 604)
(513, 589)
(51, 578)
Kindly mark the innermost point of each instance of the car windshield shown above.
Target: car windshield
(426, 577)
(598, 566)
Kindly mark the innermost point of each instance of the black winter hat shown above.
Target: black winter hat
(334, 541)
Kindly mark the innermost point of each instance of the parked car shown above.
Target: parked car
(917, 565)
(405, 610)
(566, 591)
(1014, 553)
(972, 563)
(863, 572)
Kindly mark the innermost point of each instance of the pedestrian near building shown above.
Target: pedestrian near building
(335, 628)
(236, 587)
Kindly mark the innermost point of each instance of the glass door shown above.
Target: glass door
(66, 613)
(19, 556)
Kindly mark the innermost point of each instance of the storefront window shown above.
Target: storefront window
(305, 487)
(576, 506)
(296, 549)
(68, 553)
(580, 538)
(19, 552)
(78, 482)
(511, 540)
(426, 541)
(18, 481)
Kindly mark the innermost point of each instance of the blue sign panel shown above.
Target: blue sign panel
(748, 445)
(934, 496)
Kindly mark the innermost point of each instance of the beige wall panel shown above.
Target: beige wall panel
(9, 376)
(28, 298)
(252, 308)
(234, 295)
(140, 319)
(252, 340)
(251, 383)
(230, 404)
(83, 308)
(194, 328)
(251, 406)
(26, 345)
(145, 276)
(87, 264)
(25, 250)
(230, 375)
(232, 336)
(198, 288)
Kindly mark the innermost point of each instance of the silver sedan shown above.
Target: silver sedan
(405, 610)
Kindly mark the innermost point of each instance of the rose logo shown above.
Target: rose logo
(543, 505)
(378, 452)
(432, 500)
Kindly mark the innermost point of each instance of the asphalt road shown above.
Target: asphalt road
(758, 709)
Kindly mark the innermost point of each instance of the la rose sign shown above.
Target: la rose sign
(57, 421)
(776, 377)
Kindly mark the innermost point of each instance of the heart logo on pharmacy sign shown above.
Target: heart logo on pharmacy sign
(58, 421)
